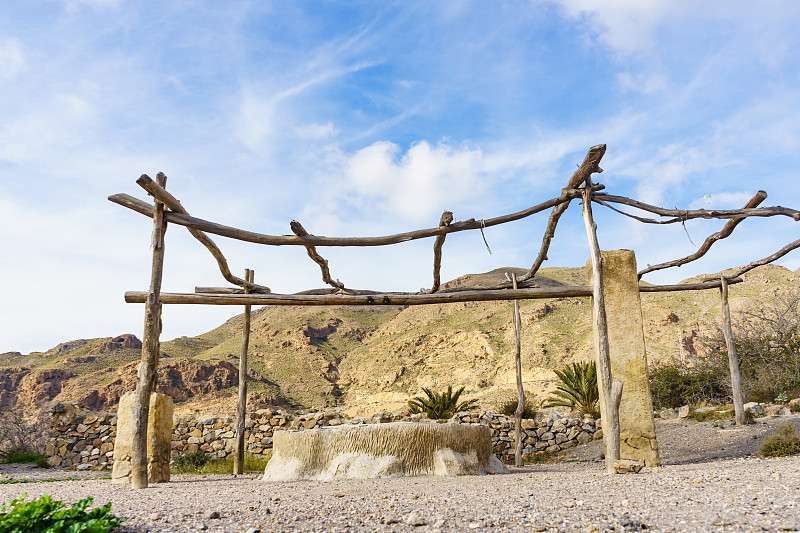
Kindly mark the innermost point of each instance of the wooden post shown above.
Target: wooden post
(151, 349)
(612, 389)
(733, 359)
(241, 406)
(520, 390)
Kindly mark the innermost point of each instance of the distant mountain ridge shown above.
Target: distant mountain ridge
(370, 358)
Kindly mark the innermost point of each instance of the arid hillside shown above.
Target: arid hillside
(372, 358)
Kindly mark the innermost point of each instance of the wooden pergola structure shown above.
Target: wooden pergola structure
(166, 209)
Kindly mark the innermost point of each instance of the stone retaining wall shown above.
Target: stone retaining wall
(84, 439)
(80, 438)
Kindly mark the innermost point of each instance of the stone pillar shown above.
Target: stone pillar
(159, 438)
(628, 357)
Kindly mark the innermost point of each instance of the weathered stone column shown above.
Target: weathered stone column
(628, 357)
(159, 438)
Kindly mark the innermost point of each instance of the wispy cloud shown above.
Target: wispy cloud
(12, 60)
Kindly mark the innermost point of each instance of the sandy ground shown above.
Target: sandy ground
(710, 481)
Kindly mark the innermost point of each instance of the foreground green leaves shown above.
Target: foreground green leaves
(46, 515)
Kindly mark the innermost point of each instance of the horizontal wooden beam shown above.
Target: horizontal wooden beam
(397, 298)
(711, 284)
(380, 298)
(146, 208)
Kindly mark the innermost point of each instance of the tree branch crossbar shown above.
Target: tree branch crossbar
(199, 228)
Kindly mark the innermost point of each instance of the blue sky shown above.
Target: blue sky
(366, 118)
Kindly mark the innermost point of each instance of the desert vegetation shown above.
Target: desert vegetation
(439, 405)
(577, 389)
(768, 345)
(22, 438)
(783, 442)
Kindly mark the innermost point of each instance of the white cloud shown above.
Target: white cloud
(625, 25)
(317, 131)
(12, 61)
(417, 184)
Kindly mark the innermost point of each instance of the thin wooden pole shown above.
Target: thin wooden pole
(151, 349)
(612, 390)
(733, 359)
(520, 390)
(241, 406)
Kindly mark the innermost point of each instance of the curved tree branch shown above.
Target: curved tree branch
(759, 197)
(590, 165)
(300, 231)
(161, 194)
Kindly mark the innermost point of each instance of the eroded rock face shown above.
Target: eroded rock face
(10, 379)
(21, 387)
(382, 450)
(180, 379)
(118, 343)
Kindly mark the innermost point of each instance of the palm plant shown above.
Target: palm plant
(577, 389)
(440, 405)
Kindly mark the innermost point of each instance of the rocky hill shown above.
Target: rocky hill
(367, 359)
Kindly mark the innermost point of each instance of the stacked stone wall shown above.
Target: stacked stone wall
(83, 439)
(79, 438)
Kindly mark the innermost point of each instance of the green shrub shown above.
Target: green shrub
(768, 349)
(48, 516)
(508, 405)
(440, 405)
(577, 389)
(785, 441)
(21, 433)
(675, 384)
(21, 456)
(725, 413)
(190, 461)
(781, 398)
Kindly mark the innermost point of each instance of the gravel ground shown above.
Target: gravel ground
(709, 482)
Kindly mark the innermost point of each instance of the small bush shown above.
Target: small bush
(725, 413)
(785, 441)
(440, 405)
(508, 405)
(537, 458)
(781, 398)
(48, 516)
(676, 384)
(252, 463)
(577, 389)
(21, 456)
(20, 432)
(190, 461)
